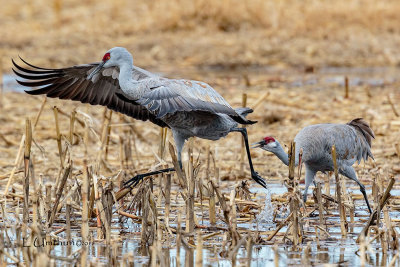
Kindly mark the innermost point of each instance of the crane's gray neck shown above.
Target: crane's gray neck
(128, 85)
(283, 156)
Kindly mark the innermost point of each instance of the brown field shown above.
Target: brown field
(228, 33)
(290, 58)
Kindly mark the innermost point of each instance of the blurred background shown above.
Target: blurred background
(228, 34)
(295, 62)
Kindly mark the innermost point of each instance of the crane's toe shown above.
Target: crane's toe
(134, 181)
(256, 177)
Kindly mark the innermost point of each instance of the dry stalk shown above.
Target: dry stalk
(374, 214)
(234, 250)
(58, 137)
(85, 203)
(249, 250)
(199, 250)
(346, 87)
(299, 168)
(35, 209)
(27, 153)
(342, 212)
(320, 207)
(222, 202)
(104, 205)
(362, 251)
(48, 201)
(393, 261)
(121, 193)
(276, 255)
(84, 256)
(212, 210)
(92, 210)
(148, 211)
(392, 106)
(39, 112)
(131, 216)
(59, 193)
(104, 134)
(100, 233)
(17, 162)
(163, 139)
(107, 140)
(281, 225)
(178, 239)
(232, 214)
(68, 223)
(292, 156)
(167, 198)
(259, 101)
(71, 127)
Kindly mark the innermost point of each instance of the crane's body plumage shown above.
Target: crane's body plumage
(189, 108)
(352, 142)
(316, 141)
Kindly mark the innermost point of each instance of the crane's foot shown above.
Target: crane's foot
(136, 179)
(256, 177)
(304, 199)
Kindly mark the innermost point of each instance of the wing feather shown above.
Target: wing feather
(172, 96)
(71, 83)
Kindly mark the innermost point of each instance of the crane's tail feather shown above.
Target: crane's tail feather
(363, 126)
(242, 113)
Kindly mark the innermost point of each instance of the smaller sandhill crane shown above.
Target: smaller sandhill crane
(352, 141)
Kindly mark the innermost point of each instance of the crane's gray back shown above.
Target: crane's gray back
(317, 141)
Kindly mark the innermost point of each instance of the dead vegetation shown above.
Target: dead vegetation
(74, 158)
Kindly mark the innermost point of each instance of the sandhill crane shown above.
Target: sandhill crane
(189, 108)
(352, 141)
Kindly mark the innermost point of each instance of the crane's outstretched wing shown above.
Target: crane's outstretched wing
(71, 83)
(182, 95)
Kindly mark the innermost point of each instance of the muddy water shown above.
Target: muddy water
(332, 250)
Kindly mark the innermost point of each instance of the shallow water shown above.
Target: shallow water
(334, 250)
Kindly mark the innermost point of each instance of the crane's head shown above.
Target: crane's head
(115, 57)
(268, 143)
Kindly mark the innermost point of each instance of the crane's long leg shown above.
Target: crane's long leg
(349, 172)
(254, 175)
(310, 175)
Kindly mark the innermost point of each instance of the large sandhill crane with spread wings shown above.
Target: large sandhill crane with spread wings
(189, 108)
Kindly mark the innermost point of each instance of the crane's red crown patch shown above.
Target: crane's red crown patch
(269, 139)
(106, 57)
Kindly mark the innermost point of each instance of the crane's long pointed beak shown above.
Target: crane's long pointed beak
(96, 70)
(258, 144)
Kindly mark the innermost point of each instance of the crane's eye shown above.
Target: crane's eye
(106, 57)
